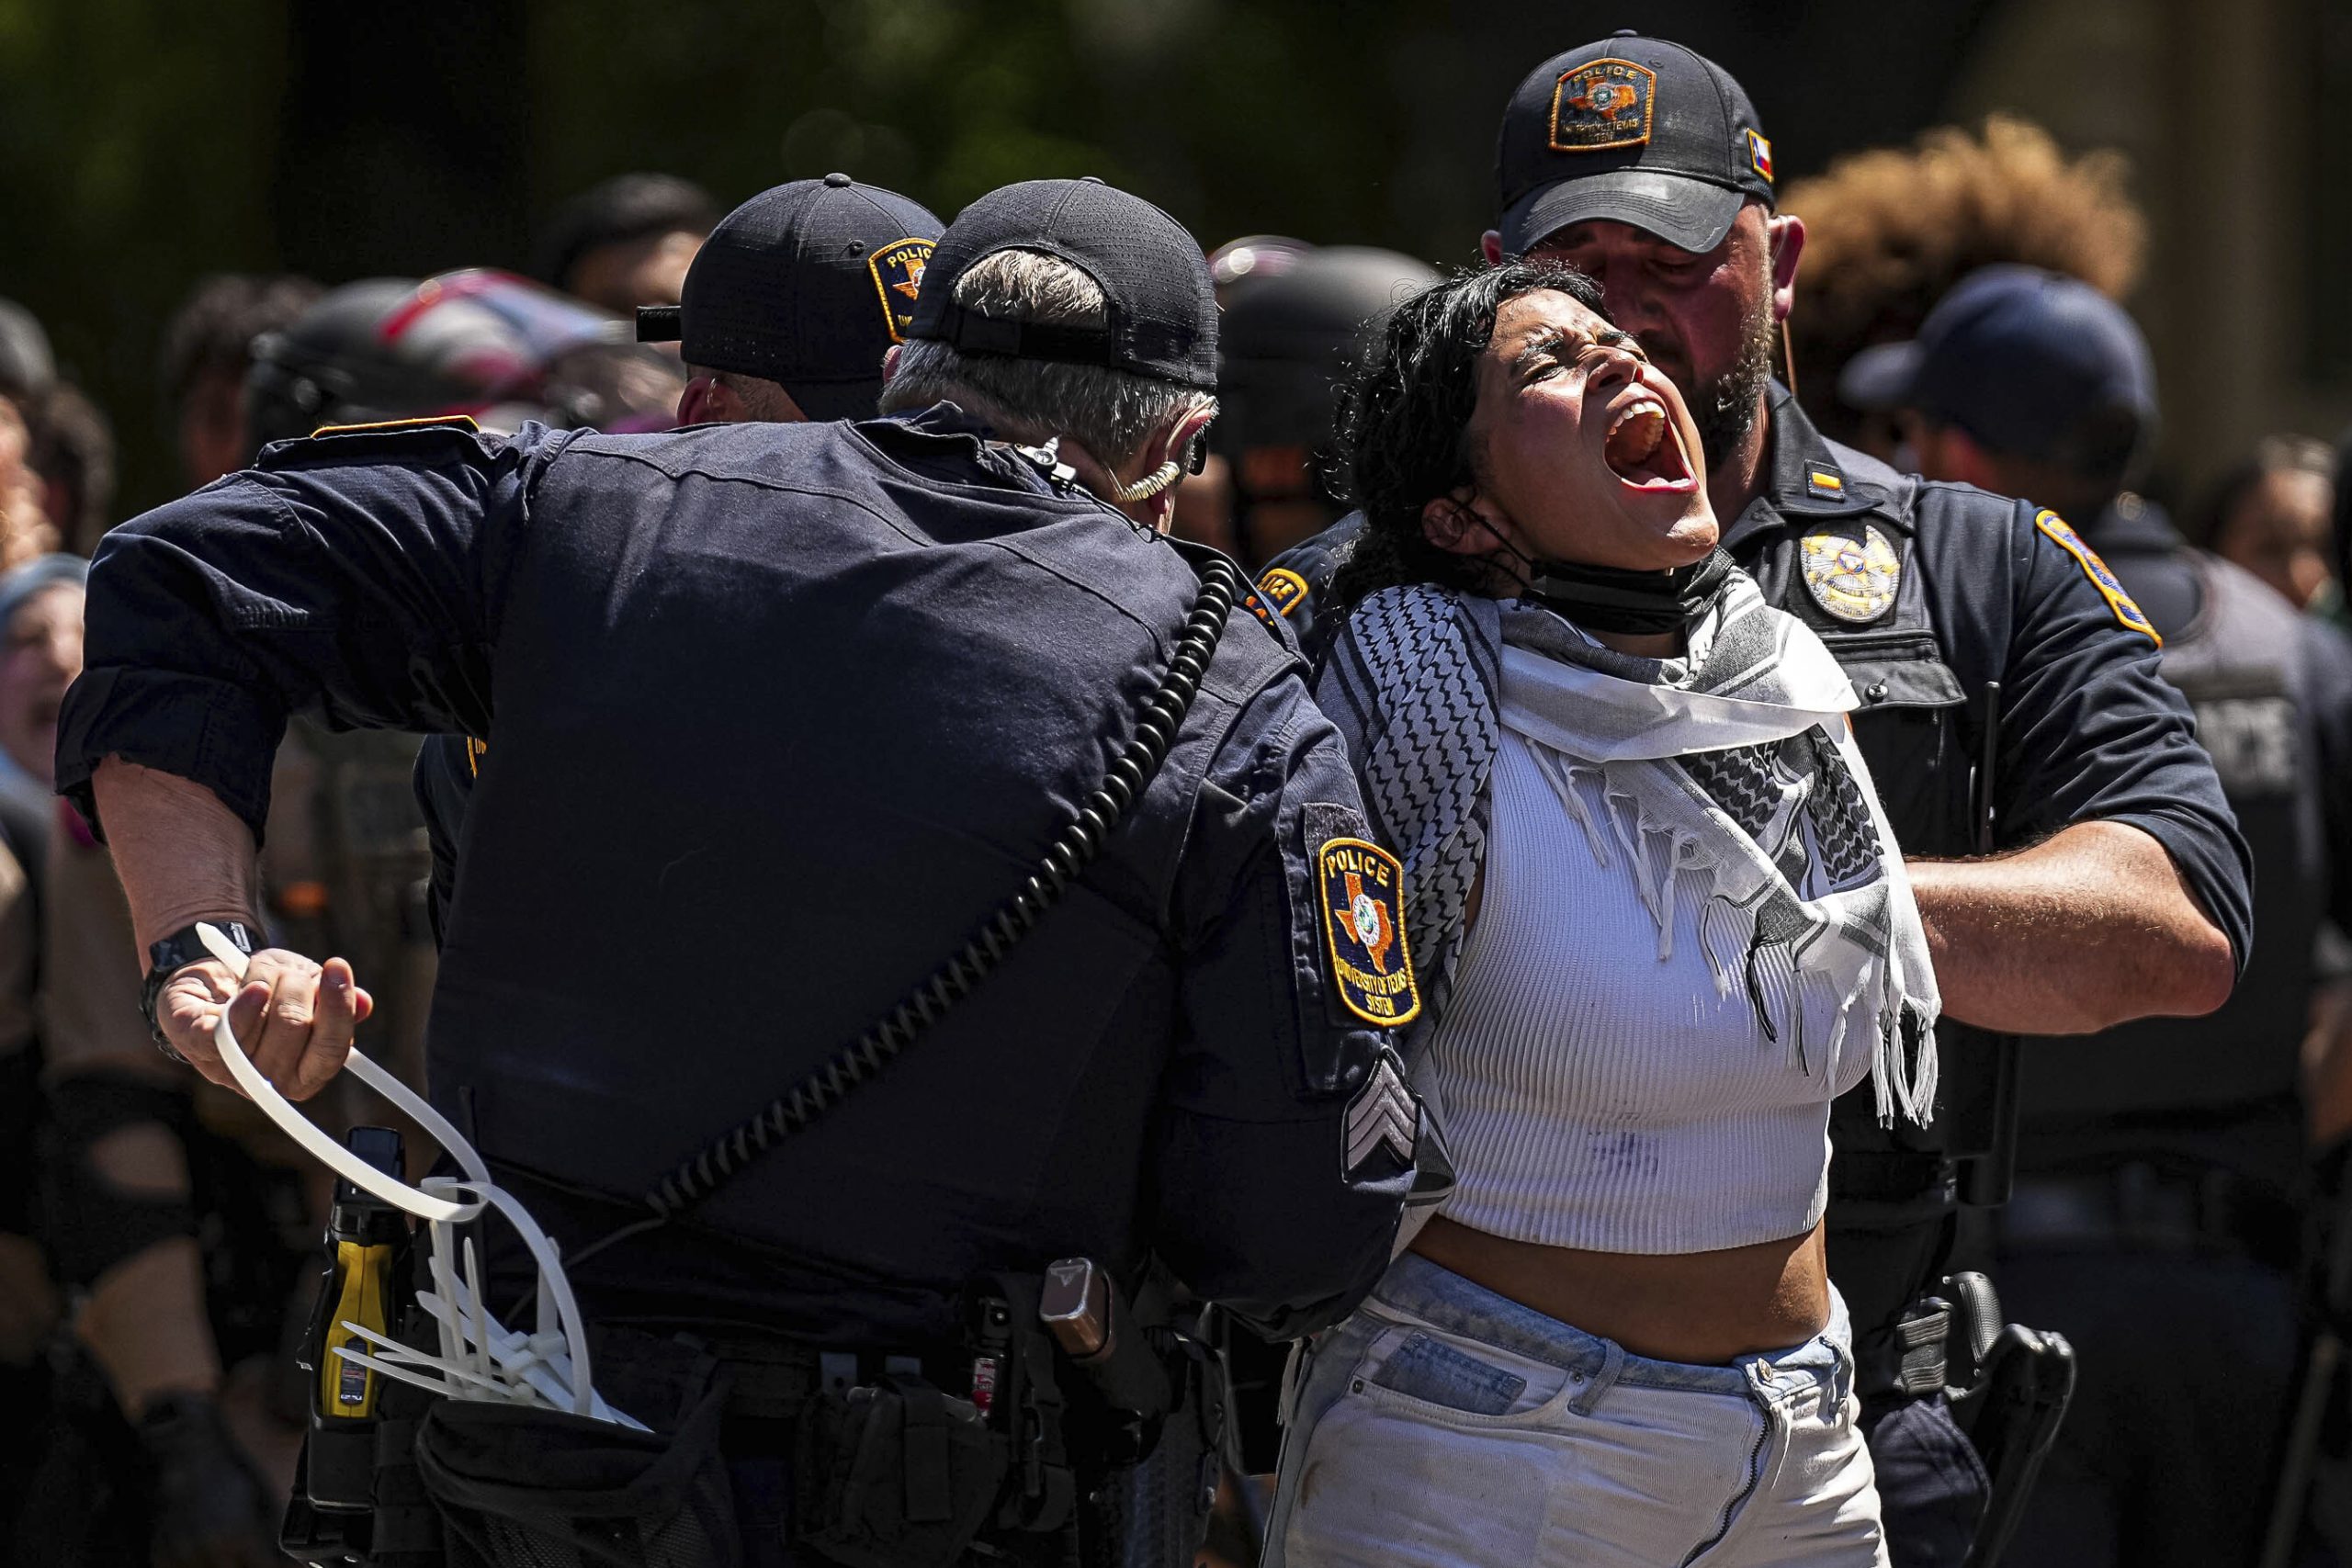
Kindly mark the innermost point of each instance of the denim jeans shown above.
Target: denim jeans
(1442, 1424)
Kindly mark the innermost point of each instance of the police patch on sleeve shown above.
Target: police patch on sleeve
(1284, 589)
(2053, 528)
(1852, 579)
(1363, 889)
(1609, 103)
(897, 278)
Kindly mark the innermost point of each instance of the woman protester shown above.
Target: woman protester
(1659, 923)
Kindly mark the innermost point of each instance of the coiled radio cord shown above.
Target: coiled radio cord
(695, 1178)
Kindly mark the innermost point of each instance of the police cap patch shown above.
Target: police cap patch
(2053, 528)
(1606, 104)
(1363, 889)
(897, 278)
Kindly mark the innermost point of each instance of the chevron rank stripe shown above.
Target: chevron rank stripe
(1381, 1113)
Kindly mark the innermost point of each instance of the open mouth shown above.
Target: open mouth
(1645, 450)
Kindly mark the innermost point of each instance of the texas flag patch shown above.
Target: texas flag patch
(1363, 889)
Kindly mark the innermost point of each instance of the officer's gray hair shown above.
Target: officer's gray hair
(1110, 412)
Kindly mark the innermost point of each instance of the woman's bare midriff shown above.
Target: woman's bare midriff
(1700, 1307)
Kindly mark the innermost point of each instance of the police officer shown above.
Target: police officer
(2160, 1163)
(1290, 338)
(782, 713)
(173, 1213)
(1644, 166)
(789, 306)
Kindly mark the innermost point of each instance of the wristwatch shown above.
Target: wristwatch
(174, 954)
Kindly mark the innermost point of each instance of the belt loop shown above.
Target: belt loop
(1612, 1364)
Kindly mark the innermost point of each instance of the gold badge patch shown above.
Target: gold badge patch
(424, 422)
(1284, 589)
(2053, 528)
(1609, 103)
(1854, 579)
(897, 278)
(1364, 914)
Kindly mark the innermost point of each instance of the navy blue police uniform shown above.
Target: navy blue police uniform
(777, 713)
(1926, 592)
(2162, 1164)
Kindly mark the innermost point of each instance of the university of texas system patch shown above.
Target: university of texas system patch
(1362, 888)
(1609, 103)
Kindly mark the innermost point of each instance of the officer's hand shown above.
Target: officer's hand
(294, 1017)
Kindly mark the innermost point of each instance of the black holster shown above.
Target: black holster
(2018, 1382)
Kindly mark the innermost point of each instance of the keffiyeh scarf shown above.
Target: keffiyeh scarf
(1735, 761)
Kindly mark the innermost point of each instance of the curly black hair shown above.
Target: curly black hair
(1404, 419)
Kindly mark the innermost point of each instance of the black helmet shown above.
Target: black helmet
(1289, 339)
(475, 341)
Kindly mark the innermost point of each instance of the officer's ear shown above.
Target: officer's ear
(1490, 245)
(709, 400)
(1784, 234)
(891, 365)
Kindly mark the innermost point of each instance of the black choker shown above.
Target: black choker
(1612, 598)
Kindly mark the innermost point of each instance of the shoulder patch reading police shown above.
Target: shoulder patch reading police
(2053, 528)
(1383, 1114)
(1854, 579)
(1609, 103)
(1363, 915)
(897, 278)
(1284, 589)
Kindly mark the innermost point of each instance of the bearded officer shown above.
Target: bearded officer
(782, 713)
(2117, 884)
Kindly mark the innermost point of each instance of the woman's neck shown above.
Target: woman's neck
(1641, 645)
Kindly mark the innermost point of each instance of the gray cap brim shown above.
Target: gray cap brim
(1690, 213)
(1881, 378)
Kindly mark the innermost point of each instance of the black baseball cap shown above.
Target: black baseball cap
(1161, 317)
(2025, 361)
(807, 286)
(1632, 128)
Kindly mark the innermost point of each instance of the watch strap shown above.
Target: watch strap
(174, 954)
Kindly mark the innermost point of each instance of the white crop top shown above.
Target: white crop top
(1598, 1087)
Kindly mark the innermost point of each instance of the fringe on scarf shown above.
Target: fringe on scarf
(1756, 947)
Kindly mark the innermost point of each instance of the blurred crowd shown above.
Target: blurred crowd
(158, 1240)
